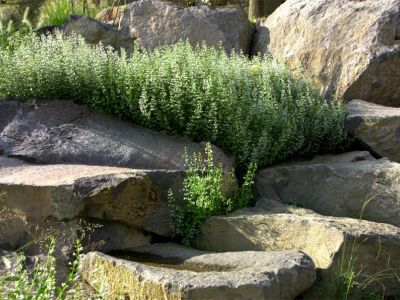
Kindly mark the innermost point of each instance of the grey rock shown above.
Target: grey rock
(175, 272)
(155, 23)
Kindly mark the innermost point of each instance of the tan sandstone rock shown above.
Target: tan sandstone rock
(376, 126)
(329, 241)
(63, 192)
(56, 193)
(350, 48)
(173, 272)
(337, 186)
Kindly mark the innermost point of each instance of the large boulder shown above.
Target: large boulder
(350, 48)
(376, 126)
(167, 271)
(348, 185)
(62, 132)
(155, 23)
(329, 241)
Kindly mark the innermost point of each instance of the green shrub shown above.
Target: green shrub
(57, 12)
(203, 196)
(40, 281)
(257, 109)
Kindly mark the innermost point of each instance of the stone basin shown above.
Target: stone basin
(169, 271)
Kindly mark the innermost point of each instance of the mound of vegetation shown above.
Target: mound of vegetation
(255, 108)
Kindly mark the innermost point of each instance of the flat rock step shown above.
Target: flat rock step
(273, 226)
(175, 272)
(64, 192)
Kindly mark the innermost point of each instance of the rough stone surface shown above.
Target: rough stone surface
(59, 132)
(156, 23)
(173, 272)
(368, 189)
(63, 192)
(376, 126)
(96, 32)
(350, 48)
(273, 226)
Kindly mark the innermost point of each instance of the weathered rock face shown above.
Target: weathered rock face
(376, 126)
(183, 273)
(350, 48)
(156, 23)
(59, 132)
(324, 239)
(96, 32)
(369, 189)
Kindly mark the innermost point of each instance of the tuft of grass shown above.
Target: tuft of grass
(57, 12)
(11, 35)
(254, 108)
(351, 282)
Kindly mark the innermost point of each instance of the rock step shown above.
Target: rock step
(171, 271)
(63, 192)
(272, 226)
(349, 185)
